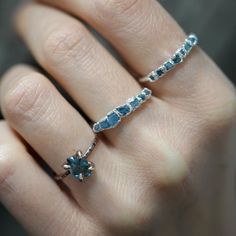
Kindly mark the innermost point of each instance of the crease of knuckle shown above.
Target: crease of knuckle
(28, 101)
(112, 8)
(66, 45)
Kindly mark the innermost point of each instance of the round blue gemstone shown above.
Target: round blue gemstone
(79, 166)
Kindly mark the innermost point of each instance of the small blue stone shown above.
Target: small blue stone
(97, 128)
(142, 96)
(159, 72)
(152, 77)
(135, 103)
(71, 159)
(187, 46)
(177, 59)
(123, 110)
(104, 124)
(183, 52)
(193, 39)
(79, 166)
(147, 92)
(113, 119)
(168, 65)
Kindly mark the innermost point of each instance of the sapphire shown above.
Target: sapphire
(177, 59)
(193, 39)
(142, 96)
(168, 65)
(152, 77)
(97, 128)
(147, 92)
(187, 46)
(113, 119)
(104, 124)
(183, 52)
(159, 72)
(79, 166)
(124, 110)
(135, 103)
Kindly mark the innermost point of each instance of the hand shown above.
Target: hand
(164, 169)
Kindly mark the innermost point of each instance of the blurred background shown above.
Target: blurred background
(214, 21)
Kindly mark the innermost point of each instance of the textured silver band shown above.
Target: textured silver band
(113, 118)
(177, 58)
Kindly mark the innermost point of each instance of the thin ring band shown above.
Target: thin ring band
(78, 165)
(113, 118)
(177, 58)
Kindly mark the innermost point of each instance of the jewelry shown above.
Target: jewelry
(177, 58)
(113, 118)
(78, 165)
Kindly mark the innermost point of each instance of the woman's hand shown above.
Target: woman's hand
(163, 170)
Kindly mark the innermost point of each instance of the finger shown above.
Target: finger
(34, 107)
(49, 124)
(70, 53)
(31, 196)
(36, 110)
(146, 35)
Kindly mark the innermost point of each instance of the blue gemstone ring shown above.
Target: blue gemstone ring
(78, 165)
(113, 118)
(177, 58)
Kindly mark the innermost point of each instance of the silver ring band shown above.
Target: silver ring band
(177, 58)
(77, 165)
(113, 118)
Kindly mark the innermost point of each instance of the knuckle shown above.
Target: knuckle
(65, 43)
(115, 7)
(27, 99)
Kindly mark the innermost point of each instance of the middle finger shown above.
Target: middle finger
(69, 52)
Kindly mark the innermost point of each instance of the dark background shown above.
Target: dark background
(214, 21)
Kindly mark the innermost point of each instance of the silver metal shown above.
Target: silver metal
(80, 155)
(114, 117)
(170, 64)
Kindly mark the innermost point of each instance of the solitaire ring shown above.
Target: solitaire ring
(78, 165)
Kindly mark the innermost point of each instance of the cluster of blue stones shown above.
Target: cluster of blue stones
(79, 167)
(114, 117)
(177, 58)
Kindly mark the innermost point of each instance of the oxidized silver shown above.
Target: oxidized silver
(113, 118)
(177, 58)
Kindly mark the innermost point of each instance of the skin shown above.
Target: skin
(165, 170)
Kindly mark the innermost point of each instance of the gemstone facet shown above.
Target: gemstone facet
(124, 110)
(168, 65)
(177, 58)
(113, 119)
(187, 46)
(159, 72)
(134, 103)
(79, 166)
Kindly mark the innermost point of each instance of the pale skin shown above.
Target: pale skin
(165, 170)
